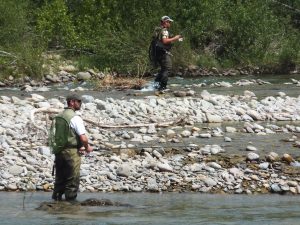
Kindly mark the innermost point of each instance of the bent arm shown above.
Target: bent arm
(77, 124)
(85, 142)
(167, 41)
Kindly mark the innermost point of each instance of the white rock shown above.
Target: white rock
(235, 172)
(186, 133)
(15, 170)
(252, 156)
(214, 165)
(251, 148)
(213, 118)
(230, 129)
(164, 167)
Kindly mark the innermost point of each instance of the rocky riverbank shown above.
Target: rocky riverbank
(155, 143)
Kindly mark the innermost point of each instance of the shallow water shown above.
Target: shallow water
(167, 208)
(278, 83)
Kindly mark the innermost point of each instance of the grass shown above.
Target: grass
(111, 81)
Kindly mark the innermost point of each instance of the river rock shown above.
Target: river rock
(44, 150)
(12, 187)
(151, 129)
(171, 133)
(230, 129)
(213, 118)
(272, 157)
(275, 188)
(152, 185)
(124, 171)
(253, 114)
(179, 93)
(264, 165)
(252, 156)
(227, 139)
(186, 133)
(287, 158)
(236, 172)
(214, 165)
(15, 170)
(87, 98)
(164, 167)
(209, 182)
(251, 148)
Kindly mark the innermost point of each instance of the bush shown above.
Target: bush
(20, 50)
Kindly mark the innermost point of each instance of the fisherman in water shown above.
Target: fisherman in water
(70, 141)
(162, 52)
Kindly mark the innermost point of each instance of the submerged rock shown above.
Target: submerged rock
(63, 206)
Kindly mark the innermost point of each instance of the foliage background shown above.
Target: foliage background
(114, 35)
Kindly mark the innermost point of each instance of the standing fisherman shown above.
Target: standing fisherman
(68, 142)
(162, 51)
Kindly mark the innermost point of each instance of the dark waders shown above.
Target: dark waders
(165, 63)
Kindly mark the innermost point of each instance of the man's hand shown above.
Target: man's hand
(84, 150)
(89, 149)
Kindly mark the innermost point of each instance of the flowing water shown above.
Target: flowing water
(171, 208)
(147, 208)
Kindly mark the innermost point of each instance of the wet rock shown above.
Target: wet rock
(186, 133)
(251, 148)
(230, 129)
(179, 93)
(152, 185)
(276, 188)
(227, 139)
(205, 135)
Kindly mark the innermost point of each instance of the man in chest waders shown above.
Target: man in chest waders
(162, 52)
(68, 142)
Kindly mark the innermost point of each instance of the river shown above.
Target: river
(170, 208)
(167, 208)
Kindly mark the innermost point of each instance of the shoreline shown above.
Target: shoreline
(123, 164)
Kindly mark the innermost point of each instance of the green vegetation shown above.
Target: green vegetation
(114, 35)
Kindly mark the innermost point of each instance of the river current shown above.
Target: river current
(147, 208)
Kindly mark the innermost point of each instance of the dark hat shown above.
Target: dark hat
(166, 18)
(74, 96)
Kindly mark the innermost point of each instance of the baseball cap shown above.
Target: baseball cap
(74, 96)
(166, 18)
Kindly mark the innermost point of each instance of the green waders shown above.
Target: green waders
(67, 174)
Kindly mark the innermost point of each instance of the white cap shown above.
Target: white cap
(166, 18)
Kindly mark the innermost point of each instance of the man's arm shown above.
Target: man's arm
(77, 124)
(85, 142)
(167, 41)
